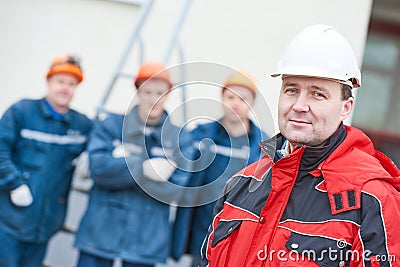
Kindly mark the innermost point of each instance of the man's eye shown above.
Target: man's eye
(319, 95)
(290, 91)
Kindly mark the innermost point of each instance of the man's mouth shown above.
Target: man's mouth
(299, 121)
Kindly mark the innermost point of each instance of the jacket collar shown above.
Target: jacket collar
(344, 180)
(303, 158)
(311, 160)
(67, 117)
(220, 131)
(312, 156)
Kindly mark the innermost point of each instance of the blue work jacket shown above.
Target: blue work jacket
(38, 150)
(128, 214)
(219, 157)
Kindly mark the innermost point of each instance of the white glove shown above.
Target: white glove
(121, 150)
(118, 151)
(82, 166)
(158, 169)
(21, 196)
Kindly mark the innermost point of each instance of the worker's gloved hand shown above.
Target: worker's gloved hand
(81, 163)
(118, 151)
(158, 169)
(21, 196)
(121, 150)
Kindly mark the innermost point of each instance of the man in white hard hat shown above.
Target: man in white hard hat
(321, 195)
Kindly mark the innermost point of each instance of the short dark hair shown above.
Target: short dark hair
(346, 92)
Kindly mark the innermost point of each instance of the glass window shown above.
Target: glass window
(377, 108)
(374, 108)
(381, 52)
(372, 100)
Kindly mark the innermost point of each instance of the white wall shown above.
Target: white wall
(253, 34)
(232, 34)
(238, 34)
(34, 32)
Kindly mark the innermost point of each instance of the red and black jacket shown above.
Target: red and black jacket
(337, 205)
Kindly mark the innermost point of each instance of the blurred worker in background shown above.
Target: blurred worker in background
(39, 140)
(235, 143)
(138, 163)
(321, 195)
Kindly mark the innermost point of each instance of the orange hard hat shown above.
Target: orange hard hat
(66, 64)
(152, 70)
(241, 78)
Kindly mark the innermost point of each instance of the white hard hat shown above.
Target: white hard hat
(320, 51)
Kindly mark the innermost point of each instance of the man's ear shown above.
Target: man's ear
(347, 108)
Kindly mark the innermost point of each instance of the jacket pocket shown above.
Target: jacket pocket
(223, 230)
(31, 154)
(105, 234)
(322, 250)
(222, 242)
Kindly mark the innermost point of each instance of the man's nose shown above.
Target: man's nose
(155, 99)
(301, 104)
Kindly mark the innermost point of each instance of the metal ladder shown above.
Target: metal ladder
(135, 37)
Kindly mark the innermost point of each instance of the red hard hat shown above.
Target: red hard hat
(66, 64)
(152, 70)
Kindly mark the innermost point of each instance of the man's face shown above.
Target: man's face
(237, 102)
(310, 109)
(152, 94)
(61, 90)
